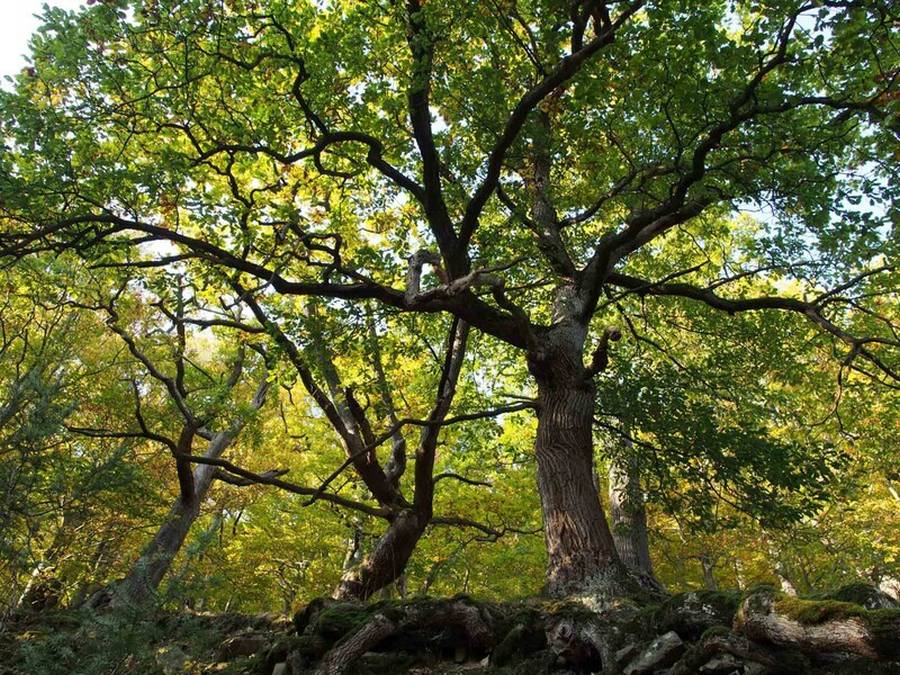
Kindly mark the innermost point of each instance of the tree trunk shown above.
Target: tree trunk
(387, 561)
(709, 569)
(781, 572)
(43, 584)
(581, 553)
(354, 549)
(629, 519)
(142, 581)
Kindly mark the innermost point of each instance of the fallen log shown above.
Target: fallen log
(819, 626)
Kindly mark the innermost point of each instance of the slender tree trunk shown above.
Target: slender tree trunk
(629, 519)
(387, 562)
(142, 581)
(709, 578)
(581, 553)
(43, 586)
(782, 572)
(354, 549)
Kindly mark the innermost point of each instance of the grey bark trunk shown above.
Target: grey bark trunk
(142, 581)
(42, 576)
(145, 576)
(782, 572)
(629, 519)
(709, 577)
(354, 549)
(582, 556)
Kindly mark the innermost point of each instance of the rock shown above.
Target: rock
(242, 645)
(280, 669)
(334, 620)
(864, 595)
(724, 664)
(523, 640)
(861, 667)
(626, 653)
(690, 614)
(571, 640)
(305, 616)
(659, 654)
(171, 659)
(376, 663)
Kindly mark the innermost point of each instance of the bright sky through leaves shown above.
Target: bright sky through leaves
(17, 23)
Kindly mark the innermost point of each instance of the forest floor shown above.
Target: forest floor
(854, 631)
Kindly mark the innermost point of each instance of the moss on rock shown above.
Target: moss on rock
(859, 593)
(812, 612)
(690, 614)
(335, 621)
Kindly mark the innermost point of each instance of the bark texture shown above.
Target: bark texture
(341, 658)
(441, 626)
(387, 561)
(581, 552)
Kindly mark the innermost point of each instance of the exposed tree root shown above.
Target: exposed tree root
(702, 632)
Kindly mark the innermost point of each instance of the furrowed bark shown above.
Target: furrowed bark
(581, 552)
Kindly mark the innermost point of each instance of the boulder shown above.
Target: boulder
(659, 654)
(691, 614)
(863, 595)
(242, 645)
(626, 653)
(724, 664)
(171, 659)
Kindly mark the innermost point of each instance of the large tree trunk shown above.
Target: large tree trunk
(142, 581)
(629, 519)
(581, 553)
(387, 561)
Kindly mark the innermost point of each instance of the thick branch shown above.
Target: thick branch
(565, 70)
(264, 479)
(812, 310)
